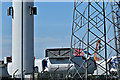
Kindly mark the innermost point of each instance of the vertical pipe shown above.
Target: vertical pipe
(96, 25)
(22, 43)
(86, 64)
(105, 38)
(118, 25)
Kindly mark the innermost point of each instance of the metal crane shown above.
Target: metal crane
(96, 49)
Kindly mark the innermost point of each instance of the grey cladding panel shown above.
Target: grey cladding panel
(58, 52)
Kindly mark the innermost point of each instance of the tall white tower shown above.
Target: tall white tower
(22, 37)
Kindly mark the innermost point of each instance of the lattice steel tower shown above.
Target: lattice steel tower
(93, 21)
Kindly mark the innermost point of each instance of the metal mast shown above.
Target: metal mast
(93, 21)
(118, 25)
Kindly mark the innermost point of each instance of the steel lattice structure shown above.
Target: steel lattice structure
(93, 21)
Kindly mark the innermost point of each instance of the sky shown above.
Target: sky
(52, 27)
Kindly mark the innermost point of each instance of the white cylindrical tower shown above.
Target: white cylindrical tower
(23, 37)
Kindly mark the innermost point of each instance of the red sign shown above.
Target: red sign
(78, 52)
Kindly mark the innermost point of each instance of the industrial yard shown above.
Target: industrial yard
(93, 46)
